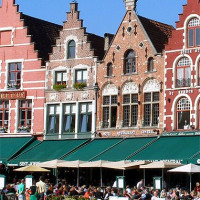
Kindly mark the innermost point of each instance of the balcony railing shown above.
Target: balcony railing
(183, 82)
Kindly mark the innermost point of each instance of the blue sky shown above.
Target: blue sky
(101, 16)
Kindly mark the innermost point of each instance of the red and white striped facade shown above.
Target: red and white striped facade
(22, 76)
(182, 72)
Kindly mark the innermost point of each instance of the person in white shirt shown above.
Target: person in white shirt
(155, 196)
(140, 184)
(41, 188)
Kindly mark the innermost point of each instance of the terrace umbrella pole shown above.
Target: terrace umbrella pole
(101, 176)
(144, 176)
(78, 177)
(162, 177)
(190, 182)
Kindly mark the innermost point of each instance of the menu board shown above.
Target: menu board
(29, 182)
(2, 182)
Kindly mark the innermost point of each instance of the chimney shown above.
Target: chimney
(130, 4)
(73, 7)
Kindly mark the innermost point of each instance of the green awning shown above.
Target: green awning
(172, 148)
(47, 150)
(124, 149)
(9, 146)
(93, 149)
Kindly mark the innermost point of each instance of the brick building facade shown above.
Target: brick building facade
(130, 78)
(71, 77)
(182, 72)
(23, 52)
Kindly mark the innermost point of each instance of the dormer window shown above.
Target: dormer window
(109, 69)
(150, 65)
(194, 32)
(71, 49)
(129, 62)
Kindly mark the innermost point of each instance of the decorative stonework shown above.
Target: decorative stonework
(152, 86)
(85, 95)
(53, 97)
(130, 88)
(110, 89)
(69, 95)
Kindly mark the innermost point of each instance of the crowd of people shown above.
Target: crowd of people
(42, 190)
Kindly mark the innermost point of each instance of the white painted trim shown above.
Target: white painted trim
(34, 88)
(64, 60)
(33, 82)
(34, 70)
(39, 108)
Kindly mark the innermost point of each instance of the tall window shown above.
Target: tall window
(110, 111)
(25, 114)
(183, 73)
(69, 118)
(71, 49)
(53, 119)
(130, 110)
(129, 62)
(109, 69)
(194, 32)
(14, 75)
(151, 109)
(61, 77)
(81, 76)
(183, 114)
(150, 65)
(4, 114)
(85, 118)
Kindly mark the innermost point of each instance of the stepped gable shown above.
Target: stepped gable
(158, 32)
(97, 44)
(43, 34)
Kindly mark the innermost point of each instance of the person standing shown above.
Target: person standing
(41, 188)
(21, 190)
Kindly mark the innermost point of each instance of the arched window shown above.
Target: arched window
(194, 32)
(183, 73)
(71, 48)
(150, 65)
(183, 114)
(109, 69)
(130, 64)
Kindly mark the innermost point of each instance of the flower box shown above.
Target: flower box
(79, 86)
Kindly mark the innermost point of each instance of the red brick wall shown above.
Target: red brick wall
(130, 41)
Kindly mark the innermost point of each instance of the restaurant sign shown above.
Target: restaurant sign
(188, 133)
(11, 95)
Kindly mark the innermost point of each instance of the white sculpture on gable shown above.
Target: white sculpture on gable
(152, 86)
(130, 88)
(110, 89)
